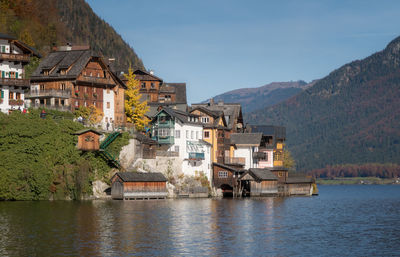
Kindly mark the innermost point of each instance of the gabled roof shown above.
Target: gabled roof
(253, 139)
(21, 44)
(141, 177)
(180, 115)
(180, 91)
(214, 114)
(228, 167)
(144, 75)
(231, 110)
(277, 132)
(260, 174)
(83, 131)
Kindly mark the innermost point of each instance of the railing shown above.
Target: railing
(52, 107)
(14, 82)
(235, 160)
(50, 92)
(196, 156)
(16, 102)
(14, 57)
(95, 80)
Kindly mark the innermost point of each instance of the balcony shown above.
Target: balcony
(260, 155)
(196, 156)
(235, 160)
(63, 108)
(48, 93)
(14, 82)
(95, 80)
(17, 102)
(15, 57)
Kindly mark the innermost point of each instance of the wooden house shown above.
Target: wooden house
(88, 140)
(258, 182)
(137, 185)
(225, 177)
(299, 185)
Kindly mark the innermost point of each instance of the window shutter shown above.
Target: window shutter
(16, 75)
(2, 94)
(2, 74)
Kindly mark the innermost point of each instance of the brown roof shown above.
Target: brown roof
(141, 176)
(260, 174)
(144, 75)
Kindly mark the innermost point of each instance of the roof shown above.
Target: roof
(141, 176)
(21, 44)
(232, 111)
(228, 167)
(214, 114)
(180, 115)
(144, 75)
(153, 107)
(278, 168)
(299, 180)
(260, 174)
(180, 91)
(83, 131)
(268, 130)
(246, 138)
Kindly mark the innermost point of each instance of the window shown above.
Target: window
(143, 85)
(42, 87)
(163, 132)
(206, 134)
(205, 119)
(94, 103)
(281, 174)
(152, 86)
(108, 90)
(177, 148)
(106, 119)
(85, 104)
(12, 74)
(197, 135)
(2, 94)
(187, 134)
(11, 95)
(76, 103)
(192, 134)
(3, 49)
(222, 174)
(18, 95)
(108, 105)
(177, 134)
(62, 87)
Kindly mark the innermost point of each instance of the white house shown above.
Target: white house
(14, 55)
(183, 133)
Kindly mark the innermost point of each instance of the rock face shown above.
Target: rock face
(99, 188)
(128, 153)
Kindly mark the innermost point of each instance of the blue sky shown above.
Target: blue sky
(219, 45)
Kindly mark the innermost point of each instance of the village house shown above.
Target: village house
(137, 185)
(71, 77)
(158, 93)
(14, 56)
(225, 178)
(181, 134)
(258, 182)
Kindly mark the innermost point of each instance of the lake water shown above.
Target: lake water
(341, 221)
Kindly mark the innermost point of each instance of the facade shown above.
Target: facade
(181, 133)
(14, 56)
(258, 182)
(245, 148)
(215, 132)
(68, 79)
(137, 185)
(88, 140)
(225, 178)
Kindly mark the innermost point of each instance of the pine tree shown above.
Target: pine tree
(135, 109)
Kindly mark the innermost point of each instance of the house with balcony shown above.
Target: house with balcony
(14, 56)
(71, 77)
(181, 133)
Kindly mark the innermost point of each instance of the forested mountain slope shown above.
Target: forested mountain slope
(351, 116)
(44, 23)
(260, 97)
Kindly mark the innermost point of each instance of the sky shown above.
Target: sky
(218, 45)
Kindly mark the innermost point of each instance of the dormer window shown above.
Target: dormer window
(46, 72)
(63, 71)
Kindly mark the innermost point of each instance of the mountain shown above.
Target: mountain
(256, 98)
(44, 23)
(352, 116)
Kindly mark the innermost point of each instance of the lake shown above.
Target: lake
(359, 220)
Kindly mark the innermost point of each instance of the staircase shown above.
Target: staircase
(107, 155)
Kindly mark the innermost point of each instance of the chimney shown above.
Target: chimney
(151, 72)
(212, 101)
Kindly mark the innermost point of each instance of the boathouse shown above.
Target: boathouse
(138, 186)
(300, 185)
(258, 182)
(88, 140)
(225, 177)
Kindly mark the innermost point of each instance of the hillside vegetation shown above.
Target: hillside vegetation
(40, 160)
(352, 116)
(44, 23)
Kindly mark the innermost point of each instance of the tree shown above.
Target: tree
(135, 108)
(288, 161)
(91, 114)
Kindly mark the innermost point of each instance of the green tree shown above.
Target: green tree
(288, 161)
(135, 108)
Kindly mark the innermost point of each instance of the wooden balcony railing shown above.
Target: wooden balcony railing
(235, 160)
(48, 93)
(15, 57)
(14, 82)
(95, 80)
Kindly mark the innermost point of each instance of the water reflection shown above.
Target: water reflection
(358, 221)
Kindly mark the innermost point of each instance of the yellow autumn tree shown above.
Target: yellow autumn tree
(91, 114)
(135, 108)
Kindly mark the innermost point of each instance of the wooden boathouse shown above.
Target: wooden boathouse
(258, 182)
(138, 186)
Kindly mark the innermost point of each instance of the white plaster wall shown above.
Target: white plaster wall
(5, 43)
(108, 112)
(245, 152)
(270, 162)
